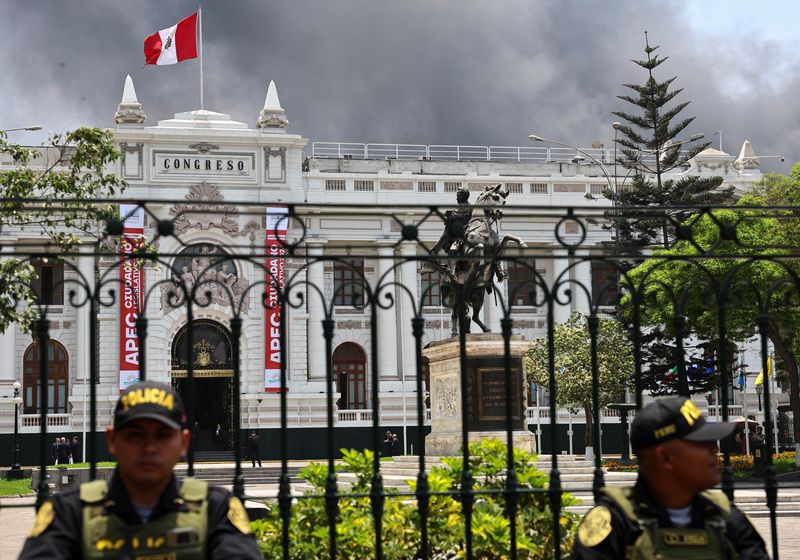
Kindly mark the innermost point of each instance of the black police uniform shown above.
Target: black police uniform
(63, 536)
(745, 542)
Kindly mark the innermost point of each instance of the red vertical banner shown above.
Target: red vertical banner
(131, 293)
(276, 237)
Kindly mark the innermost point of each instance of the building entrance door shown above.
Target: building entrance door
(213, 407)
(212, 366)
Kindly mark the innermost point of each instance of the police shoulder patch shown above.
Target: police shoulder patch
(238, 516)
(44, 517)
(595, 527)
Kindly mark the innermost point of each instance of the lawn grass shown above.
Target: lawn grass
(85, 465)
(15, 487)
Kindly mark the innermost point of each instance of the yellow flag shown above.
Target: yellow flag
(760, 378)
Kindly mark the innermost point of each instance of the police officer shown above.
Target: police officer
(143, 511)
(670, 512)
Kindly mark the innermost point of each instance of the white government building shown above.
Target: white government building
(206, 156)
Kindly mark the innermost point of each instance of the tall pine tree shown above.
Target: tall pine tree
(649, 149)
(649, 206)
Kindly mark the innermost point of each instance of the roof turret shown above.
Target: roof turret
(272, 116)
(129, 110)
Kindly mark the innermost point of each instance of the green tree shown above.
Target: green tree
(646, 211)
(650, 148)
(51, 194)
(740, 260)
(573, 364)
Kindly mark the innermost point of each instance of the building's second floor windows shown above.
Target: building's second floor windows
(522, 283)
(431, 288)
(48, 286)
(348, 282)
(605, 281)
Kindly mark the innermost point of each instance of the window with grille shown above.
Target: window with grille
(605, 282)
(57, 378)
(431, 288)
(48, 286)
(538, 188)
(364, 186)
(522, 283)
(514, 187)
(348, 282)
(350, 372)
(426, 186)
(597, 188)
(334, 184)
(452, 186)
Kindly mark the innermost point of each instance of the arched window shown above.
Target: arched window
(57, 378)
(350, 371)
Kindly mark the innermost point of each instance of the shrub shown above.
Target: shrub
(400, 530)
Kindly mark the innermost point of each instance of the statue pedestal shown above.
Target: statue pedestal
(485, 391)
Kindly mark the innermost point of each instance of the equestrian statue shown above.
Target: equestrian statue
(470, 250)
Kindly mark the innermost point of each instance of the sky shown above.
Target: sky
(465, 72)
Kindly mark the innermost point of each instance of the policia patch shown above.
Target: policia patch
(596, 526)
(44, 517)
(238, 516)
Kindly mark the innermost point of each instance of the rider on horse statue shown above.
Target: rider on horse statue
(474, 250)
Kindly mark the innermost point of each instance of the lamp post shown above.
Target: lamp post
(759, 389)
(16, 469)
(30, 128)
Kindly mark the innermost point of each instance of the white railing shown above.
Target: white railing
(563, 416)
(53, 420)
(715, 411)
(357, 415)
(443, 152)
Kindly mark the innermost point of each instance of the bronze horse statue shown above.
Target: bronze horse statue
(474, 259)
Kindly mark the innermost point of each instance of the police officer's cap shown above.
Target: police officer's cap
(153, 400)
(674, 418)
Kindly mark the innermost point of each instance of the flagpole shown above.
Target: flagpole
(200, 24)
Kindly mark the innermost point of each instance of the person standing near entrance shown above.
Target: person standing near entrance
(63, 451)
(143, 512)
(670, 512)
(253, 448)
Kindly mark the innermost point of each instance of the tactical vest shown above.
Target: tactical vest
(176, 535)
(660, 543)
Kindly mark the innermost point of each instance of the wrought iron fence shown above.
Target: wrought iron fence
(206, 261)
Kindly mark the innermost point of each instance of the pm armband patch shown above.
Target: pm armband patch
(238, 516)
(595, 527)
(44, 517)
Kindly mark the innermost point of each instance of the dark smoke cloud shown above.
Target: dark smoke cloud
(416, 71)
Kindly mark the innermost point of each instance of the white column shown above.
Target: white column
(83, 347)
(9, 368)
(387, 318)
(8, 346)
(560, 263)
(316, 313)
(493, 308)
(582, 276)
(408, 276)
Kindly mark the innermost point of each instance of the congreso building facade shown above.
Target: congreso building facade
(226, 186)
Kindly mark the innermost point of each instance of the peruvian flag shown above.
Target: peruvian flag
(174, 44)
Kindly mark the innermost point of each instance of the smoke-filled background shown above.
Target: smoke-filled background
(413, 71)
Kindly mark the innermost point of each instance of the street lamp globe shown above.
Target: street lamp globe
(16, 386)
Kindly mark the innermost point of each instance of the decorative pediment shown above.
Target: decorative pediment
(206, 217)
